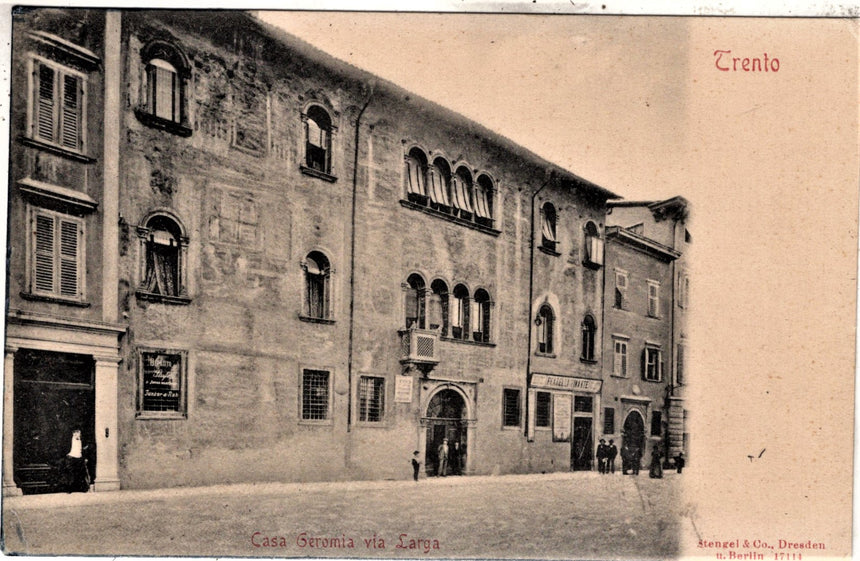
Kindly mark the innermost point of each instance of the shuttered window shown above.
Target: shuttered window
(58, 106)
(57, 255)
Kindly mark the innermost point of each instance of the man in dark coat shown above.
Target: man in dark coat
(611, 452)
(601, 456)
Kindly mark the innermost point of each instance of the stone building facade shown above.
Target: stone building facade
(294, 270)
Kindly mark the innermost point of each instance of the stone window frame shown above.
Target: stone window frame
(329, 413)
(55, 294)
(326, 174)
(327, 297)
(145, 111)
(144, 234)
(506, 391)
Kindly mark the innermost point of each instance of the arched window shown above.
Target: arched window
(548, 227)
(462, 189)
(163, 88)
(440, 185)
(593, 251)
(437, 307)
(481, 316)
(415, 301)
(318, 133)
(545, 324)
(317, 286)
(588, 331)
(163, 258)
(416, 173)
(460, 313)
(484, 200)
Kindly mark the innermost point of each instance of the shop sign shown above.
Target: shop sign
(561, 416)
(565, 383)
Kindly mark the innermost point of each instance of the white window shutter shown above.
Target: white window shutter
(43, 243)
(69, 252)
(44, 104)
(70, 121)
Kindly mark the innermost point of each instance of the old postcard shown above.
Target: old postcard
(453, 285)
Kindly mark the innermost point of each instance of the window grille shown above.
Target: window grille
(371, 399)
(315, 395)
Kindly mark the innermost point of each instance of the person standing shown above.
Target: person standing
(656, 469)
(679, 461)
(635, 459)
(454, 459)
(601, 456)
(443, 458)
(415, 465)
(611, 452)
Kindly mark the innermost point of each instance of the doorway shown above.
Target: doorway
(633, 436)
(445, 419)
(580, 450)
(54, 395)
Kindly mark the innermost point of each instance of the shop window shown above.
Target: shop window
(543, 409)
(437, 307)
(57, 106)
(588, 332)
(57, 255)
(545, 326)
(652, 364)
(440, 185)
(162, 384)
(656, 423)
(318, 140)
(510, 407)
(608, 420)
(620, 289)
(619, 367)
(416, 175)
(164, 250)
(371, 399)
(415, 302)
(317, 286)
(462, 189)
(315, 395)
(583, 404)
(163, 88)
(460, 313)
(548, 227)
(653, 299)
(593, 250)
(480, 315)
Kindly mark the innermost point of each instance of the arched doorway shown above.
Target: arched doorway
(446, 418)
(633, 436)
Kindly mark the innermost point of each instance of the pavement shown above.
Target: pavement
(580, 515)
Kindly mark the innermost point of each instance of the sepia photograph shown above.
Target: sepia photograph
(474, 284)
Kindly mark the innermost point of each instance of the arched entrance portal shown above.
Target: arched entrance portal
(633, 437)
(446, 418)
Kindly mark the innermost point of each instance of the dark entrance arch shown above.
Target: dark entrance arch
(446, 414)
(633, 437)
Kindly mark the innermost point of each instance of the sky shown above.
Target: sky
(602, 97)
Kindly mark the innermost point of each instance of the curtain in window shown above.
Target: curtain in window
(461, 194)
(415, 176)
(161, 269)
(482, 207)
(548, 228)
(438, 191)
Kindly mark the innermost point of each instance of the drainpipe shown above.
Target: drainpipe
(550, 175)
(370, 87)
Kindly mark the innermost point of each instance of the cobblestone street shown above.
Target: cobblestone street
(565, 515)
